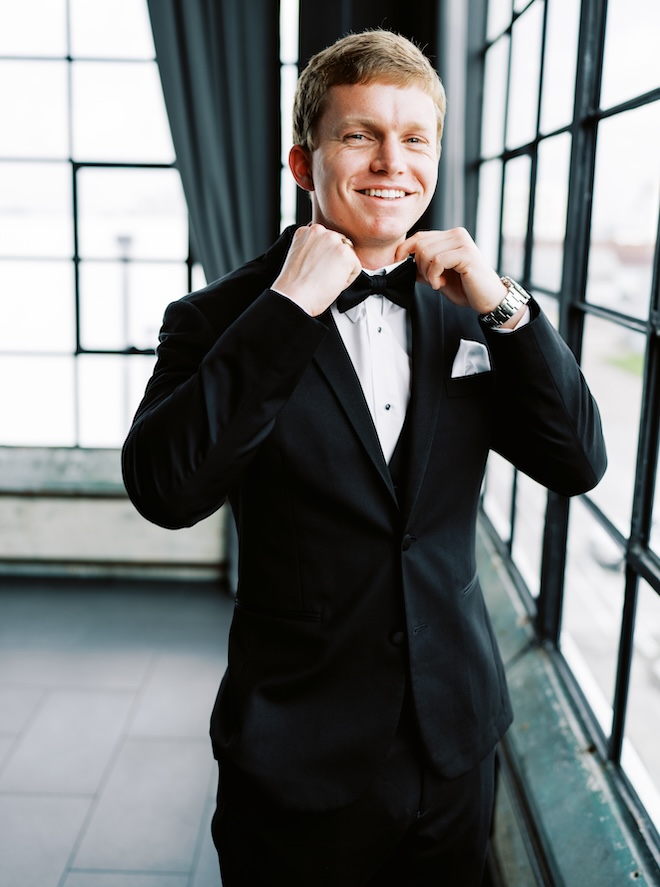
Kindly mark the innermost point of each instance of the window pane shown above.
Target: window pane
(140, 214)
(625, 211)
(593, 604)
(524, 82)
(514, 215)
(499, 17)
(119, 113)
(198, 277)
(561, 41)
(550, 211)
(289, 75)
(550, 308)
(288, 195)
(34, 109)
(111, 29)
(37, 409)
(641, 750)
(37, 306)
(498, 492)
(612, 360)
(531, 500)
(655, 525)
(35, 210)
(289, 27)
(110, 388)
(495, 77)
(122, 303)
(489, 211)
(33, 27)
(631, 65)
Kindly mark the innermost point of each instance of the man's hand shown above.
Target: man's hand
(320, 264)
(450, 261)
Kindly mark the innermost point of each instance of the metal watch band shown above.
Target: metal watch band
(515, 298)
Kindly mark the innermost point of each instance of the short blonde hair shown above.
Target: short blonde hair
(361, 58)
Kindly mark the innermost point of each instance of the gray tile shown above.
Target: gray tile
(129, 615)
(68, 744)
(16, 706)
(120, 670)
(6, 743)
(149, 814)
(193, 680)
(36, 838)
(114, 879)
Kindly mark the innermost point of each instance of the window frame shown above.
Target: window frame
(640, 561)
(75, 165)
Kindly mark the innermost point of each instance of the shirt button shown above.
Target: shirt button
(388, 406)
(397, 638)
(379, 329)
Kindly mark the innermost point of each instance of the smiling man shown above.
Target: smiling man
(343, 392)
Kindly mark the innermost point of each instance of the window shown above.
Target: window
(289, 21)
(93, 222)
(567, 116)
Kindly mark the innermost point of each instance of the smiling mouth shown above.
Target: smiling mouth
(384, 193)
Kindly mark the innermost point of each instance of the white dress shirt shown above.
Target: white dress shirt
(374, 334)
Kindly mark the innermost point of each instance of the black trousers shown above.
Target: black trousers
(411, 828)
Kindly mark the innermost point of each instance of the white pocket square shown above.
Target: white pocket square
(471, 358)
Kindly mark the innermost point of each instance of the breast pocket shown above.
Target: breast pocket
(468, 386)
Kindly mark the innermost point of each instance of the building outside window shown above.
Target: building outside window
(93, 222)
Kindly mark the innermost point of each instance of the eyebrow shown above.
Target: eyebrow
(372, 123)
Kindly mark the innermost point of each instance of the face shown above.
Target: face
(375, 166)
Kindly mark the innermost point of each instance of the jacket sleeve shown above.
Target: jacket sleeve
(212, 399)
(546, 420)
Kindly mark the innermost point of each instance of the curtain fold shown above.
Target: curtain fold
(219, 67)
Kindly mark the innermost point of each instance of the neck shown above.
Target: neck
(377, 257)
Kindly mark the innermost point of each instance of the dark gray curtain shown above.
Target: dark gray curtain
(219, 66)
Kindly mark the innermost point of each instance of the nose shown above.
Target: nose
(389, 157)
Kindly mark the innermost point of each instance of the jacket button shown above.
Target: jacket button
(407, 542)
(397, 638)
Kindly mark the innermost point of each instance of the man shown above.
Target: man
(356, 723)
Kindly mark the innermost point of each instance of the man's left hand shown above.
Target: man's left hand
(451, 262)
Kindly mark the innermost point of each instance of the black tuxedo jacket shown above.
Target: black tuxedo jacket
(347, 591)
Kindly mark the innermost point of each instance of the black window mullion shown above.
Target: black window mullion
(582, 167)
(573, 286)
(624, 666)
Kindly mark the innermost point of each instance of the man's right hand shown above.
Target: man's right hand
(320, 264)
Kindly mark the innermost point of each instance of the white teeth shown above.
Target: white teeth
(387, 193)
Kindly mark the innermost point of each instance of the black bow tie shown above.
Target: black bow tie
(397, 286)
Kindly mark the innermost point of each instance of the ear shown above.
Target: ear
(300, 164)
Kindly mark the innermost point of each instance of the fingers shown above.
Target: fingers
(439, 252)
(319, 265)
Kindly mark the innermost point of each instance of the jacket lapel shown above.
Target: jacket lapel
(427, 384)
(335, 365)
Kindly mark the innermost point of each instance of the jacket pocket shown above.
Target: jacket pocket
(469, 588)
(466, 386)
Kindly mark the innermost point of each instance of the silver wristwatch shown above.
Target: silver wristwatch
(515, 298)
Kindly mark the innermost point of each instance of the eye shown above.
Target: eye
(355, 136)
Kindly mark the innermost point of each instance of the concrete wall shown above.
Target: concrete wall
(65, 512)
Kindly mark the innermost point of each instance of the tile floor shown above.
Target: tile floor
(106, 772)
